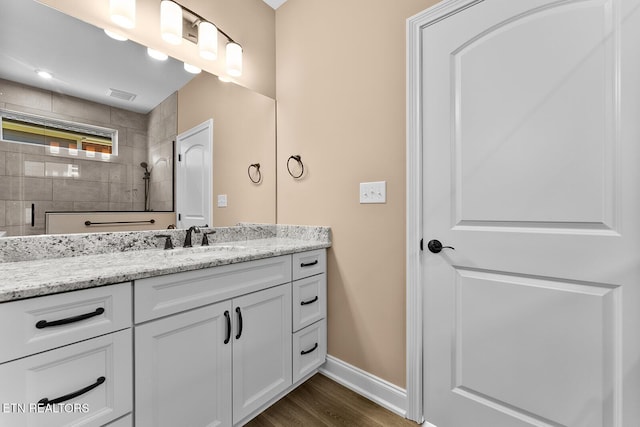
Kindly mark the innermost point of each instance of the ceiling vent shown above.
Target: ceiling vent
(120, 94)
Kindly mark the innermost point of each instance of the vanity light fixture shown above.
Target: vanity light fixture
(156, 54)
(115, 36)
(191, 69)
(171, 22)
(178, 22)
(123, 12)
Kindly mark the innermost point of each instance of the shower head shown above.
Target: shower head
(144, 165)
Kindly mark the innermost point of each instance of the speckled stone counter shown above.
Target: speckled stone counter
(89, 262)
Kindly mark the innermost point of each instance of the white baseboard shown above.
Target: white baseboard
(373, 388)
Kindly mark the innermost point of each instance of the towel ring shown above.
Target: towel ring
(257, 166)
(298, 159)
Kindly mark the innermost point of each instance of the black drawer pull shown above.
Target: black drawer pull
(226, 314)
(45, 324)
(239, 323)
(303, 352)
(45, 401)
(311, 301)
(309, 264)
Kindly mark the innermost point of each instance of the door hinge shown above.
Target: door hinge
(180, 219)
(179, 157)
(422, 244)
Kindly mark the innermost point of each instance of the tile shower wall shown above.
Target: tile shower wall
(28, 174)
(163, 123)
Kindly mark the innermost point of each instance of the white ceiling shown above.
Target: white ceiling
(275, 3)
(84, 62)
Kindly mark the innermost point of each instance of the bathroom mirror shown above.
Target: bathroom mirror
(93, 79)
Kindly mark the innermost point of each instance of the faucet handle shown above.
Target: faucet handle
(168, 244)
(205, 239)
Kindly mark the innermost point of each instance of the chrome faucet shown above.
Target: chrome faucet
(187, 237)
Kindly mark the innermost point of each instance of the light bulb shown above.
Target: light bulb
(123, 12)
(234, 59)
(156, 54)
(171, 22)
(192, 68)
(208, 40)
(115, 36)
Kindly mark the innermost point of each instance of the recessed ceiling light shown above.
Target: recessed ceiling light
(192, 68)
(115, 36)
(44, 74)
(156, 54)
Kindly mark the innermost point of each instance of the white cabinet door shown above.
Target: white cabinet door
(183, 369)
(261, 348)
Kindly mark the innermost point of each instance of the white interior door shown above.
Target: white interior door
(531, 160)
(194, 176)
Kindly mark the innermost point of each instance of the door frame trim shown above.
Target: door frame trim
(414, 227)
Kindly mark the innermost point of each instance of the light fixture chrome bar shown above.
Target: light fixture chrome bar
(192, 18)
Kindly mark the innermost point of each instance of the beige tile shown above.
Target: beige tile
(137, 139)
(120, 193)
(138, 207)
(25, 96)
(80, 191)
(90, 206)
(119, 207)
(38, 189)
(128, 119)
(94, 171)
(3, 214)
(3, 163)
(15, 147)
(139, 156)
(11, 188)
(118, 173)
(80, 109)
(14, 164)
(16, 214)
(125, 155)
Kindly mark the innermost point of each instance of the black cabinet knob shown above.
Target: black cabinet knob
(435, 246)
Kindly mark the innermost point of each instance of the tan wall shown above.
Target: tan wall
(249, 22)
(244, 125)
(340, 71)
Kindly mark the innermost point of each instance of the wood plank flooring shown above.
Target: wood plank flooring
(323, 402)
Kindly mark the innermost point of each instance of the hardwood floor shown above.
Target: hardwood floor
(323, 402)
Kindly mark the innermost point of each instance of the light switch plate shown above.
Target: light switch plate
(373, 192)
(222, 200)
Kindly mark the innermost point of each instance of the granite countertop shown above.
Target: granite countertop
(25, 279)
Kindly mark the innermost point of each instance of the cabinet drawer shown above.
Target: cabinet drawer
(309, 349)
(66, 370)
(90, 312)
(309, 301)
(163, 295)
(310, 263)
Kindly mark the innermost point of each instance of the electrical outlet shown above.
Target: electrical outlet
(222, 200)
(373, 192)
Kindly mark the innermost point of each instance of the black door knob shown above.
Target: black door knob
(435, 246)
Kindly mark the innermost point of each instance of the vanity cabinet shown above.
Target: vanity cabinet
(216, 346)
(52, 354)
(309, 308)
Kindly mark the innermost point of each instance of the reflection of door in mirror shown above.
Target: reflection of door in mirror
(193, 177)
